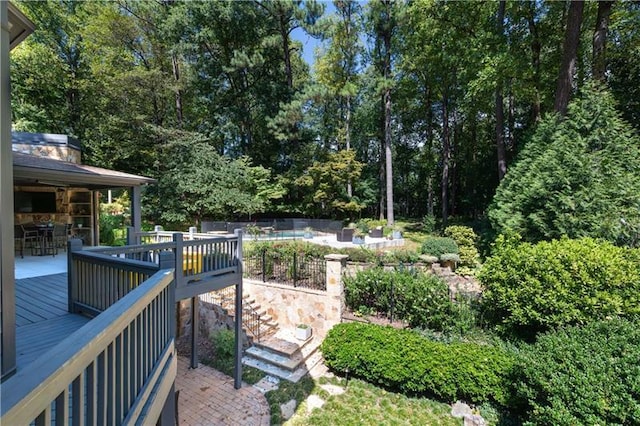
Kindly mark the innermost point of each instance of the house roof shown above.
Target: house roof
(44, 139)
(31, 169)
(19, 26)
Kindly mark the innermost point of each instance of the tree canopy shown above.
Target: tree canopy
(436, 100)
(577, 177)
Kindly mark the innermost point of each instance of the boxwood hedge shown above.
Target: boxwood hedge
(402, 360)
(530, 288)
(586, 375)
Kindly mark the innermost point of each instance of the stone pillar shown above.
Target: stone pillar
(335, 288)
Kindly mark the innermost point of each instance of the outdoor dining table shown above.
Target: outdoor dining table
(45, 232)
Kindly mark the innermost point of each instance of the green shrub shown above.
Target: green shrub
(420, 299)
(360, 254)
(428, 223)
(577, 176)
(449, 257)
(532, 288)
(403, 360)
(583, 376)
(110, 224)
(466, 240)
(436, 246)
(223, 341)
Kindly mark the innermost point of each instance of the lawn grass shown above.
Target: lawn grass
(366, 404)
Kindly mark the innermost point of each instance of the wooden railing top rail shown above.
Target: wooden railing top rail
(33, 388)
(99, 258)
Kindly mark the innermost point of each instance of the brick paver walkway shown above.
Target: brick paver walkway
(207, 397)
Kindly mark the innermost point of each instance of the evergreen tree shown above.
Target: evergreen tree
(577, 177)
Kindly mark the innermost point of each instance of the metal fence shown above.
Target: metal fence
(295, 270)
(290, 228)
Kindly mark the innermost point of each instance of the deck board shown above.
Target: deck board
(42, 320)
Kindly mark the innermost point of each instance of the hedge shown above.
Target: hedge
(420, 299)
(437, 246)
(466, 240)
(530, 288)
(582, 376)
(402, 360)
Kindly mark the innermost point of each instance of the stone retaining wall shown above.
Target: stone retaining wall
(291, 306)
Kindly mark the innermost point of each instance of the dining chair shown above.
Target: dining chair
(60, 236)
(23, 236)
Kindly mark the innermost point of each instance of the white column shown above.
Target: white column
(7, 295)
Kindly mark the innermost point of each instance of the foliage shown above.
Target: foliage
(403, 360)
(582, 375)
(450, 257)
(437, 246)
(536, 287)
(285, 392)
(382, 408)
(120, 76)
(223, 341)
(325, 182)
(420, 299)
(429, 223)
(466, 240)
(223, 356)
(110, 229)
(576, 177)
(199, 183)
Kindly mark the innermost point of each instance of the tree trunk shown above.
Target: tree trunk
(535, 62)
(446, 153)
(284, 34)
(176, 77)
(382, 174)
(500, 148)
(569, 57)
(386, 39)
(600, 40)
(347, 137)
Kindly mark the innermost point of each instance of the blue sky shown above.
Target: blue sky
(309, 43)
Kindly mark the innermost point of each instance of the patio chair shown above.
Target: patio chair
(23, 236)
(60, 236)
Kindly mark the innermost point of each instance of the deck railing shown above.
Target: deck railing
(225, 298)
(203, 262)
(98, 280)
(117, 369)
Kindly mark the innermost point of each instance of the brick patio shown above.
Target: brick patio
(207, 397)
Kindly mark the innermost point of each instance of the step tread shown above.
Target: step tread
(287, 363)
(292, 376)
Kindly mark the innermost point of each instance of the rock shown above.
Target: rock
(461, 410)
(267, 383)
(288, 409)
(314, 401)
(333, 389)
(474, 420)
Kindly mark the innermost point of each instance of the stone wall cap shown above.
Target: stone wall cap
(336, 256)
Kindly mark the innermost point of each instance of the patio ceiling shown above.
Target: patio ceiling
(33, 170)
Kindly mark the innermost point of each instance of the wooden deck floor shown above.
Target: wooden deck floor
(42, 320)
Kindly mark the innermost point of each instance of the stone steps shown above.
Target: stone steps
(283, 356)
(267, 325)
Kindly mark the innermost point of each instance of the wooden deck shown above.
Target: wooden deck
(42, 319)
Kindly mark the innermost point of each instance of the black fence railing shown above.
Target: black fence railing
(295, 270)
(290, 228)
